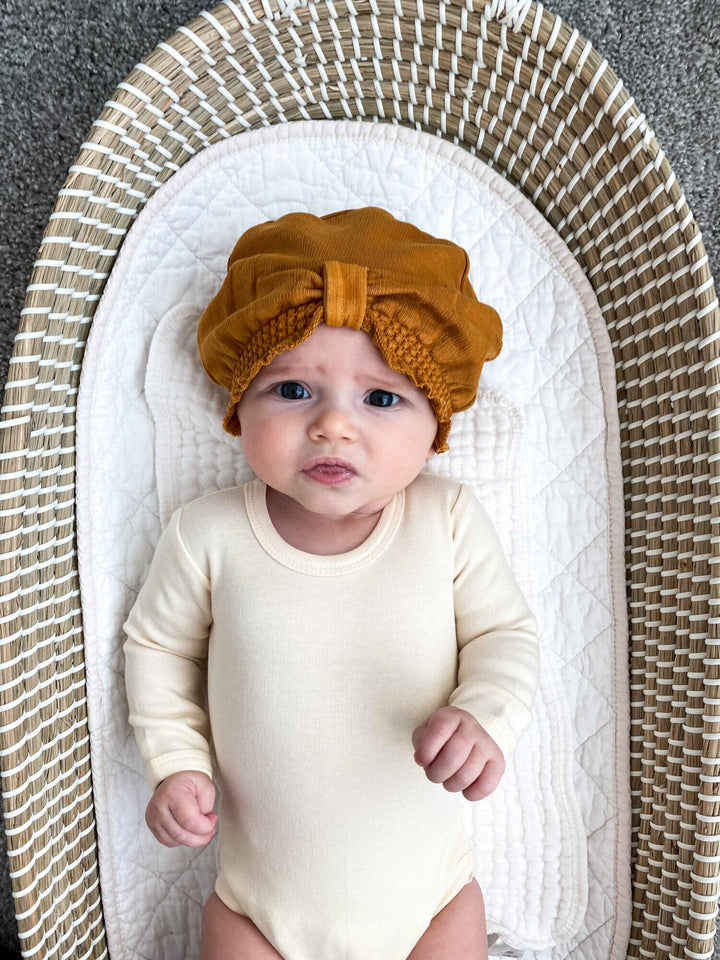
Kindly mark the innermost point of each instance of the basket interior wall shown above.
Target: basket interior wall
(531, 98)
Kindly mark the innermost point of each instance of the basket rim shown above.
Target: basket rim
(662, 398)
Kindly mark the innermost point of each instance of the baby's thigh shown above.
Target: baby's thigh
(458, 932)
(228, 936)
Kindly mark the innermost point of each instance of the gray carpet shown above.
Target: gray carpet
(61, 59)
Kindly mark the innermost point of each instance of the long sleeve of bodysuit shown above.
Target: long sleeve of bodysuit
(496, 633)
(316, 670)
(165, 661)
(460, 595)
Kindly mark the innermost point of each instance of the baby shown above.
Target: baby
(341, 638)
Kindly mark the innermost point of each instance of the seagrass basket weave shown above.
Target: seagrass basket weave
(511, 83)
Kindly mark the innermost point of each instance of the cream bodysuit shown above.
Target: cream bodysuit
(319, 668)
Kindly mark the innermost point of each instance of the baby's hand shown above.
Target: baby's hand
(180, 810)
(455, 750)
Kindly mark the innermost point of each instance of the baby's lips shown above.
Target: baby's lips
(329, 463)
(331, 471)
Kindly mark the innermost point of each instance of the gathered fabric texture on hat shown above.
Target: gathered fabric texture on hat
(363, 269)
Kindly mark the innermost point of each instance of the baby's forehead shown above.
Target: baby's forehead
(335, 349)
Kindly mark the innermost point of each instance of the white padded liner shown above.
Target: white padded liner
(541, 448)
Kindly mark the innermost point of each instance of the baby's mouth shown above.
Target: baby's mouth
(329, 470)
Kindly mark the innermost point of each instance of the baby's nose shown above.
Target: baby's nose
(333, 422)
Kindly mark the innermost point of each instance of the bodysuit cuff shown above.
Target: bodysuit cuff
(162, 767)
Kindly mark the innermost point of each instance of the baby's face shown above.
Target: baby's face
(330, 425)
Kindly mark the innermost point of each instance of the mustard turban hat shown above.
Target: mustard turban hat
(361, 269)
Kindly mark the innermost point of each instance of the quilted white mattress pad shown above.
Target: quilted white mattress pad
(540, 446)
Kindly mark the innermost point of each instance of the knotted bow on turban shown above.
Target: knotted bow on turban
(361, 269)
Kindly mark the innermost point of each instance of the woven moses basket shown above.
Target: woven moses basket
(511, 83)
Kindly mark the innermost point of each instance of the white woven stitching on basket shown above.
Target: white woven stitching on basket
(215, 23)
(52, 913)
(512, 12)
(138, 153)
(299, 62)
(247, 16)
(77, 802)
(49, 934)
(48, 833)
(70, 799)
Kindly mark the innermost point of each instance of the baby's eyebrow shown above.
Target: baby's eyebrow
(380, 376)
(282, 370)
(393, 378)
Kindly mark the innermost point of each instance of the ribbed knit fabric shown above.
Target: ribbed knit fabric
(319, 668)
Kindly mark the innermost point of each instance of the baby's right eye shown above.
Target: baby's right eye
(292, 390)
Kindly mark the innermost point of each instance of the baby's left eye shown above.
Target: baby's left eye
(382, 398)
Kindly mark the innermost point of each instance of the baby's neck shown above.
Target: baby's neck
(314, 533)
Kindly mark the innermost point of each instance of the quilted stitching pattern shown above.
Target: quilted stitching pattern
(552, 467)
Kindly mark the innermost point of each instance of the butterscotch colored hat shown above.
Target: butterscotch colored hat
(361, 269)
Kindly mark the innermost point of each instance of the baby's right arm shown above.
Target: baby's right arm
(165, 662)
(180, 811)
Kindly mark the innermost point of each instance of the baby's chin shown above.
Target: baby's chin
(345, 512)
(333, 503)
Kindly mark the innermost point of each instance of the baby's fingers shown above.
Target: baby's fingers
(430, 737)
(455, 755)
(168, 837)
(188, 824)
(458, 777)
(484, 785)
(172, 833)
(457, 752)
(180, 810)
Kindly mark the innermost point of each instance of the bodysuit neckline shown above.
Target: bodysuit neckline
(310, 563)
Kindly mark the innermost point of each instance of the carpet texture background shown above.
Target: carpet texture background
(62, 59)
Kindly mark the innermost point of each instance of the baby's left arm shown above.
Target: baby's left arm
(465, 745)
